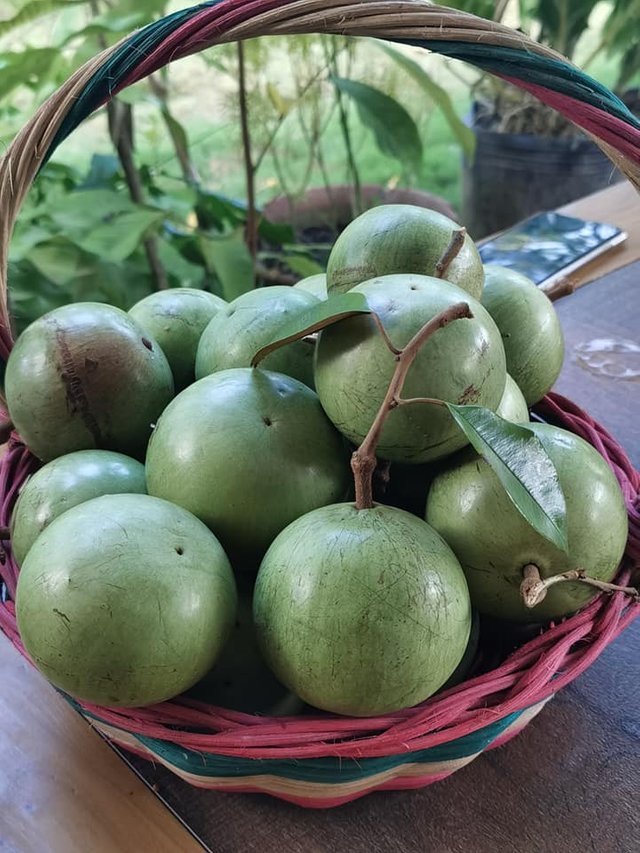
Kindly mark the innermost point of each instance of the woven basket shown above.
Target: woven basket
(325, 760)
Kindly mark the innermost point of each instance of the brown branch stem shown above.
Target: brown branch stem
(533, 588)
(249, 168)
(120, 122)
(363, 460)
(451, 252)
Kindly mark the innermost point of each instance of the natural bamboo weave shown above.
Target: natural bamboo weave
(324, 760)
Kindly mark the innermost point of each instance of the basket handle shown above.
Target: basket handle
(489, 46)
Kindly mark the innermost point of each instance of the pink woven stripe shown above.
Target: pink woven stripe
(529, 675)
(622, 136)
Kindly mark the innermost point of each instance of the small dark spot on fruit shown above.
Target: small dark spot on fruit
(266, 421)
(179, 551)
(227, 683)
(413, 287)
(148, 344)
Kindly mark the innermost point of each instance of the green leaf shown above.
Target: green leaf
(313, 319)
(395, 131)
(229, 259)
(215, 210)
(25, 237)
(281, 105)
(303, 265)
(104, 171)
(185, 273)
(59, 260)
(83, 211)
(108, 25)
(34, 10)
(523, 467)
(116, 240)
(276, 233)
(465, 136)
(26, 67)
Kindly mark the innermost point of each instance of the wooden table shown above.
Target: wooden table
(570, 782)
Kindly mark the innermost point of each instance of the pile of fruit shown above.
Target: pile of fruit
(309, 494)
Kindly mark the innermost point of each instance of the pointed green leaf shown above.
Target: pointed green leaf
(229, 260)
(465, 136)
(523, 467)
(116, 240)
(303, 265)
(313, 319)
(395, 131)
(34, 10)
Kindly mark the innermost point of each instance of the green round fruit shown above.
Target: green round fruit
(86, 376)
(401, 238)
(250, 322)
(125, 600)
(530, 329)
(240, 679)
(513, 406)
(66, 482)
(176, 318)
(461, 363)
(247, 451)
(466, 502)
(361, 612)
(315, 284)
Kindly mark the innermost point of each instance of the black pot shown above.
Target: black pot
(514, 175)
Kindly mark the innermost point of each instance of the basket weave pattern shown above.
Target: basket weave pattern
(325, 760)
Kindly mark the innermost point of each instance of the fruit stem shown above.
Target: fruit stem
(564, 287)
(451, 252)
(363, 460)
(533, 588)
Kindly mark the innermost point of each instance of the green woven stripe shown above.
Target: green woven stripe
(512, 62)
(532, 68)
(327, 770)
(120, 66)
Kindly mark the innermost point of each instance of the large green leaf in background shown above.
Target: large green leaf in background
(523, 467)
(19, 68)
(395, 131)
(229, 260)
(117, 239)
(32, 11)
(465, 136)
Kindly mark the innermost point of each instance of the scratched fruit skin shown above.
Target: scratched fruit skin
(247, 450)
(66, 482)
(530, 329)
(176, 318)
(125, 600)
(86, 376)
(361, 612)
(250, 322)
(462, 363)
(401, 238)
(492, 540)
